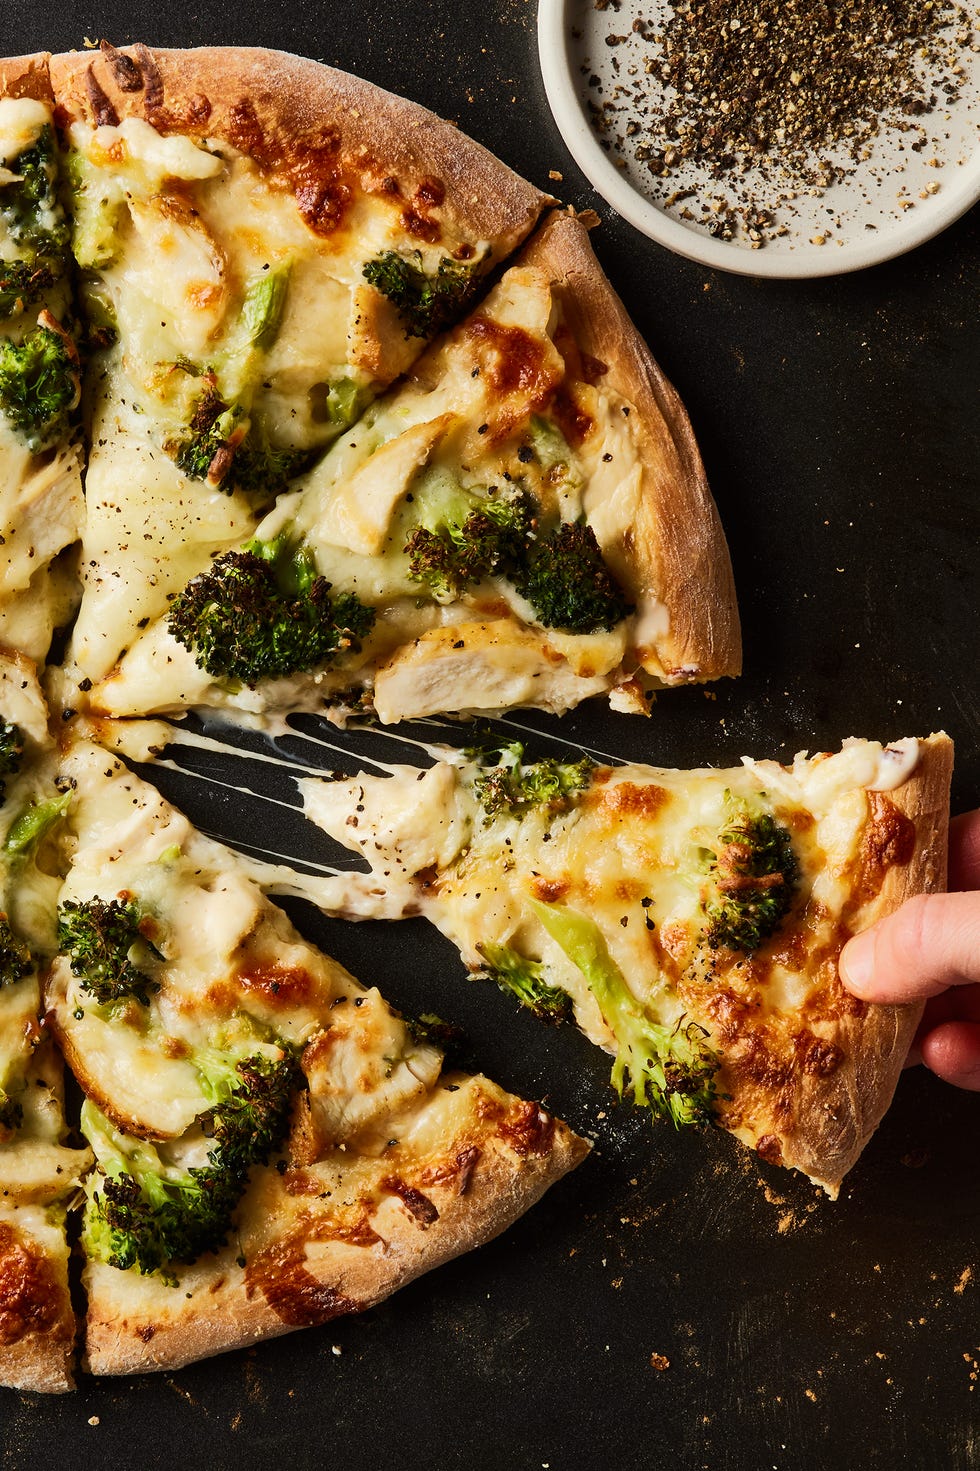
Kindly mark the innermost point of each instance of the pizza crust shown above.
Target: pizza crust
(300, 1270)
(675, 552)
(840, 1113)
(312, 124)
(26, 76)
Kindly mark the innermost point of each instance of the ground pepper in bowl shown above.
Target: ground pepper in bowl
(772, 98)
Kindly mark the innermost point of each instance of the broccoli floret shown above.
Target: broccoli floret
(426, 303)
(507, 785)
(251, 1103)
(21, 284)
(98, 936)
(38, 386)
(15, 955)
(216, 431)
(566, 581)
(243, 621)
(752, 880)
(524, 979)
(29, 205)
(151, 1215)
(222, 449)
(463, 546)
(669, 1070)
(11, 753)
(261, 469)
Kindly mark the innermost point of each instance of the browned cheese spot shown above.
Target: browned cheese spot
(31, 1298)
(418, 1205)
(293, 1293)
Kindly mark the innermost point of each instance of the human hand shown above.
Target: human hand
(930, 949)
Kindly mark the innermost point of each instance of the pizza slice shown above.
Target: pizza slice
(524, 520)
(40, 451)
(275, 1146)
(39, 1171)
(264, 244)
(689, 920)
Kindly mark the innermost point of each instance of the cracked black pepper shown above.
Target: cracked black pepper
(769, 99)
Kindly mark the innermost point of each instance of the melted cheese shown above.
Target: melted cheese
(463, 421)
(627, 853)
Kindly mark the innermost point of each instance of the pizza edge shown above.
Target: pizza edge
(678, 551)
(824, 1143)
(248, 93)
(138, 1324)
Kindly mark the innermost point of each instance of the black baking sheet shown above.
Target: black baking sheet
(838, 421)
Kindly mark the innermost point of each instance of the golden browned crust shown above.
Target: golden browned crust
(838, 1114)
(677, 551)
(308, 1272)
(26, 76)
(320, 131)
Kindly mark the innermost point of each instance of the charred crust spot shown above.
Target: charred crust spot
(31, 1299)
(460, 1169)
(421, 226)
(294, 1294)
(528, 1130)
(125, 73)
(430, 193)
(419, 1206)
(103, 112)
(816, 1056)
(147, 1332)
(152, 80)
(770, 1149)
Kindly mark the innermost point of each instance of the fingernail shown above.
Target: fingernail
(857, 962)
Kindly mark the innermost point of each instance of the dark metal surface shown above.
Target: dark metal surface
(838, 421)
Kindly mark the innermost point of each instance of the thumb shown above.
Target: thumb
(931, 943)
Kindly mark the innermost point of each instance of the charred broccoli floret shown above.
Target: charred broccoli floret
(752, 879)
(38, 385)
(150, 1215)
(29, 204)
(426, 302)
(222, 449)
(524, 979)
(263, 612)
(668, 1069)
(15, 955)
(566, 581)
(22, 283)
(99, 937)
(466, 542)
(507, 785)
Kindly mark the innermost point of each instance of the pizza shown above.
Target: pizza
(263, 1143)
(689, 921)
(264, 247)
(309, 404)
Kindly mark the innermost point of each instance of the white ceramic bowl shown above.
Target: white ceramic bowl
(884, 207)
